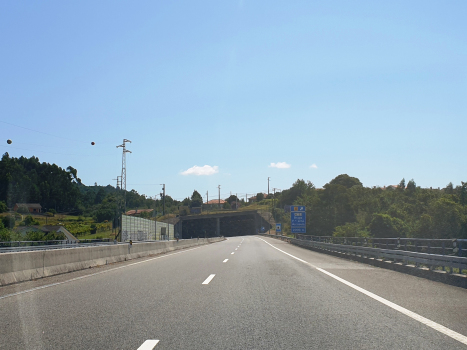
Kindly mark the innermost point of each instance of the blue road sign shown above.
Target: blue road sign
(278, 228)
(298, 219)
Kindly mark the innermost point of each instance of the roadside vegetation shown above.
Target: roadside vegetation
(343, 207)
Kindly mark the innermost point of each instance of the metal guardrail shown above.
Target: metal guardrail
(21, 246)
(420, 245)
(50, 242)
(432, 261)
(62, 245)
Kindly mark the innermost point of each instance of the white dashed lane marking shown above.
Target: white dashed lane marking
(226, 260)
(149, 344)
(209, 279)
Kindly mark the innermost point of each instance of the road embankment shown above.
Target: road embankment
(26, 266)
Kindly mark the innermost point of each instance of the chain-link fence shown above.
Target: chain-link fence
(139, 229)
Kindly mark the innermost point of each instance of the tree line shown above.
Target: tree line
(344, 207)
(58, 190)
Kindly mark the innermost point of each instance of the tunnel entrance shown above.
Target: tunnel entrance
(229, 224)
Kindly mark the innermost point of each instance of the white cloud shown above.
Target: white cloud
(313, 166)
(201, 170)
(280, 165)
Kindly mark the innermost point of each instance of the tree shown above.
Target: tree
(3, 207)
(259, 196)
(23, 209)
(100, 195)
(232, 198)
(196, 199)
(447, 219)
(402, 184)
(463, 194)
(35, 236)
(8, 221)
(350, 229)
(346, 181)
(386, 226)
(74, 173)
(29, 221)
(298, 189)
(449, 189)
(411, 187)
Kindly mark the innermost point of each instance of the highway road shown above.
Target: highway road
(246, 292)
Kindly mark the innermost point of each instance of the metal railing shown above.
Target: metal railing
(419, 245)
(20, 246)
(452, 263)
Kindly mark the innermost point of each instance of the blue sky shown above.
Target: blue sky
(375, 90)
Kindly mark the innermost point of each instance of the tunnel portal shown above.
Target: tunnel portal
(223, 224)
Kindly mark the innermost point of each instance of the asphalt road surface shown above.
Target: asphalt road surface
(243, 293)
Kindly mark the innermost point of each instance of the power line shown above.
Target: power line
(63, 154)
(40, 132)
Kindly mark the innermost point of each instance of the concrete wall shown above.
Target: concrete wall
(24, 266)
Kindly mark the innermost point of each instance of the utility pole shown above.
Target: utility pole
(117, 217)
(123, 180)
(163, 199)
(268, 185)
(236, 201)
(219, 187)
(274, 204)
(118, 182)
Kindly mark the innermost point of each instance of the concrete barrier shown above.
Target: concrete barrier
(25, 266)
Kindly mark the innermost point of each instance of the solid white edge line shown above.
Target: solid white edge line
(93, 274)
(436, 326)
(209, 279)
(149, 344)
(225, 260)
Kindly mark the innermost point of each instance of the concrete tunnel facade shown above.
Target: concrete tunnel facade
(221, 224)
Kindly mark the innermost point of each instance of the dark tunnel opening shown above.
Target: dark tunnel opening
(239, 225)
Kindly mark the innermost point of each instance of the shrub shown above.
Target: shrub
(350, 229)
(35, 236)
(29, 221)
(55, 236)
(383, 225)
(8, 221)
(23, 210)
